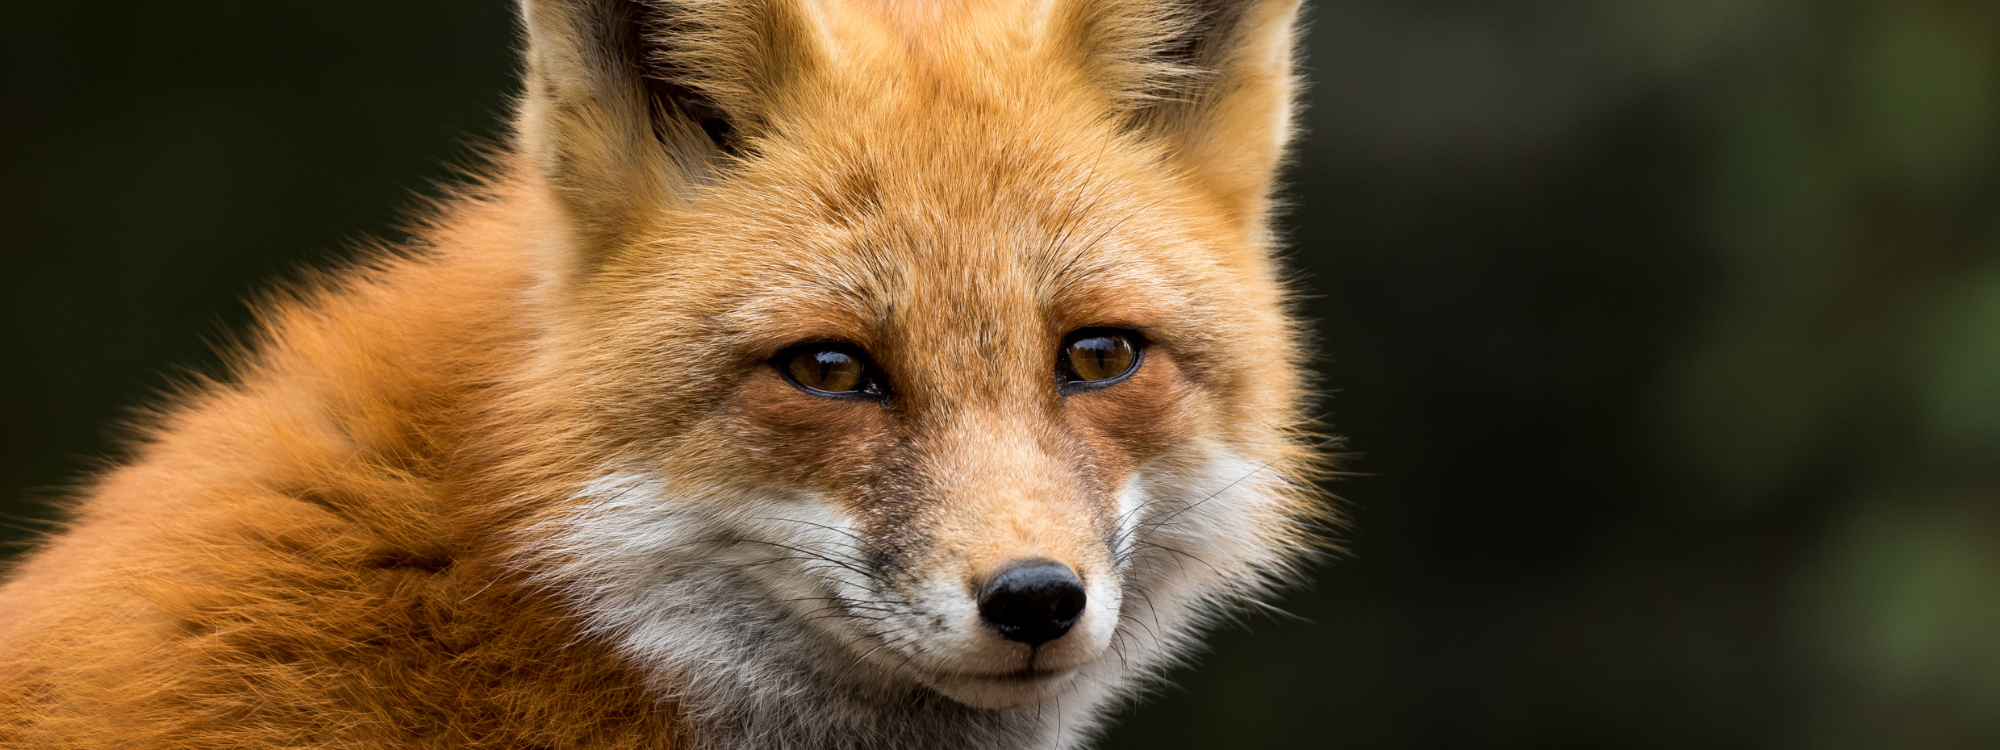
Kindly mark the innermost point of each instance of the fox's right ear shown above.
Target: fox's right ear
(629, 102)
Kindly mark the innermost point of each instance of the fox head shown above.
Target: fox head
(910, 348)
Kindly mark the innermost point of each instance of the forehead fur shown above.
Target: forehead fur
(998, 167)
(891, 225)
(1121, 49)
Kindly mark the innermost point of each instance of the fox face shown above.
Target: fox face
(910, 349)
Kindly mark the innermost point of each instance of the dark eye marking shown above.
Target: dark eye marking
(1093, 358)
(830, 369)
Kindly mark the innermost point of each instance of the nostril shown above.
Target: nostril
(1033, 602)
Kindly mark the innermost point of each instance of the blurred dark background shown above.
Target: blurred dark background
(1668, 332)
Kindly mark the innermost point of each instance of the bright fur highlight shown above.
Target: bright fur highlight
(536, 485)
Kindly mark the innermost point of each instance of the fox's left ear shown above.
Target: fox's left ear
(1211, 79)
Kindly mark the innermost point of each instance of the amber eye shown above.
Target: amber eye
(828, 369)
(1099, 356)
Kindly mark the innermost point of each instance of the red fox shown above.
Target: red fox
(801, 374)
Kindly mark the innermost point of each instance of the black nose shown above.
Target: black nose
(1033, 602)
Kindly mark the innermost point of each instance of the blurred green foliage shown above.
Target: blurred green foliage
(1667, 331)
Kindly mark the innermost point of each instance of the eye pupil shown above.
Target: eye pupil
(1102, 357)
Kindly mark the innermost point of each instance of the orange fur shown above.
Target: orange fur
(348, 544)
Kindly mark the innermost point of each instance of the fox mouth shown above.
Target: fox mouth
(1002, 689)
(1028, 676)
(1034, 673)
(1031, 672)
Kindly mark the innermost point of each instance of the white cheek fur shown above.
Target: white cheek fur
(723, 602)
